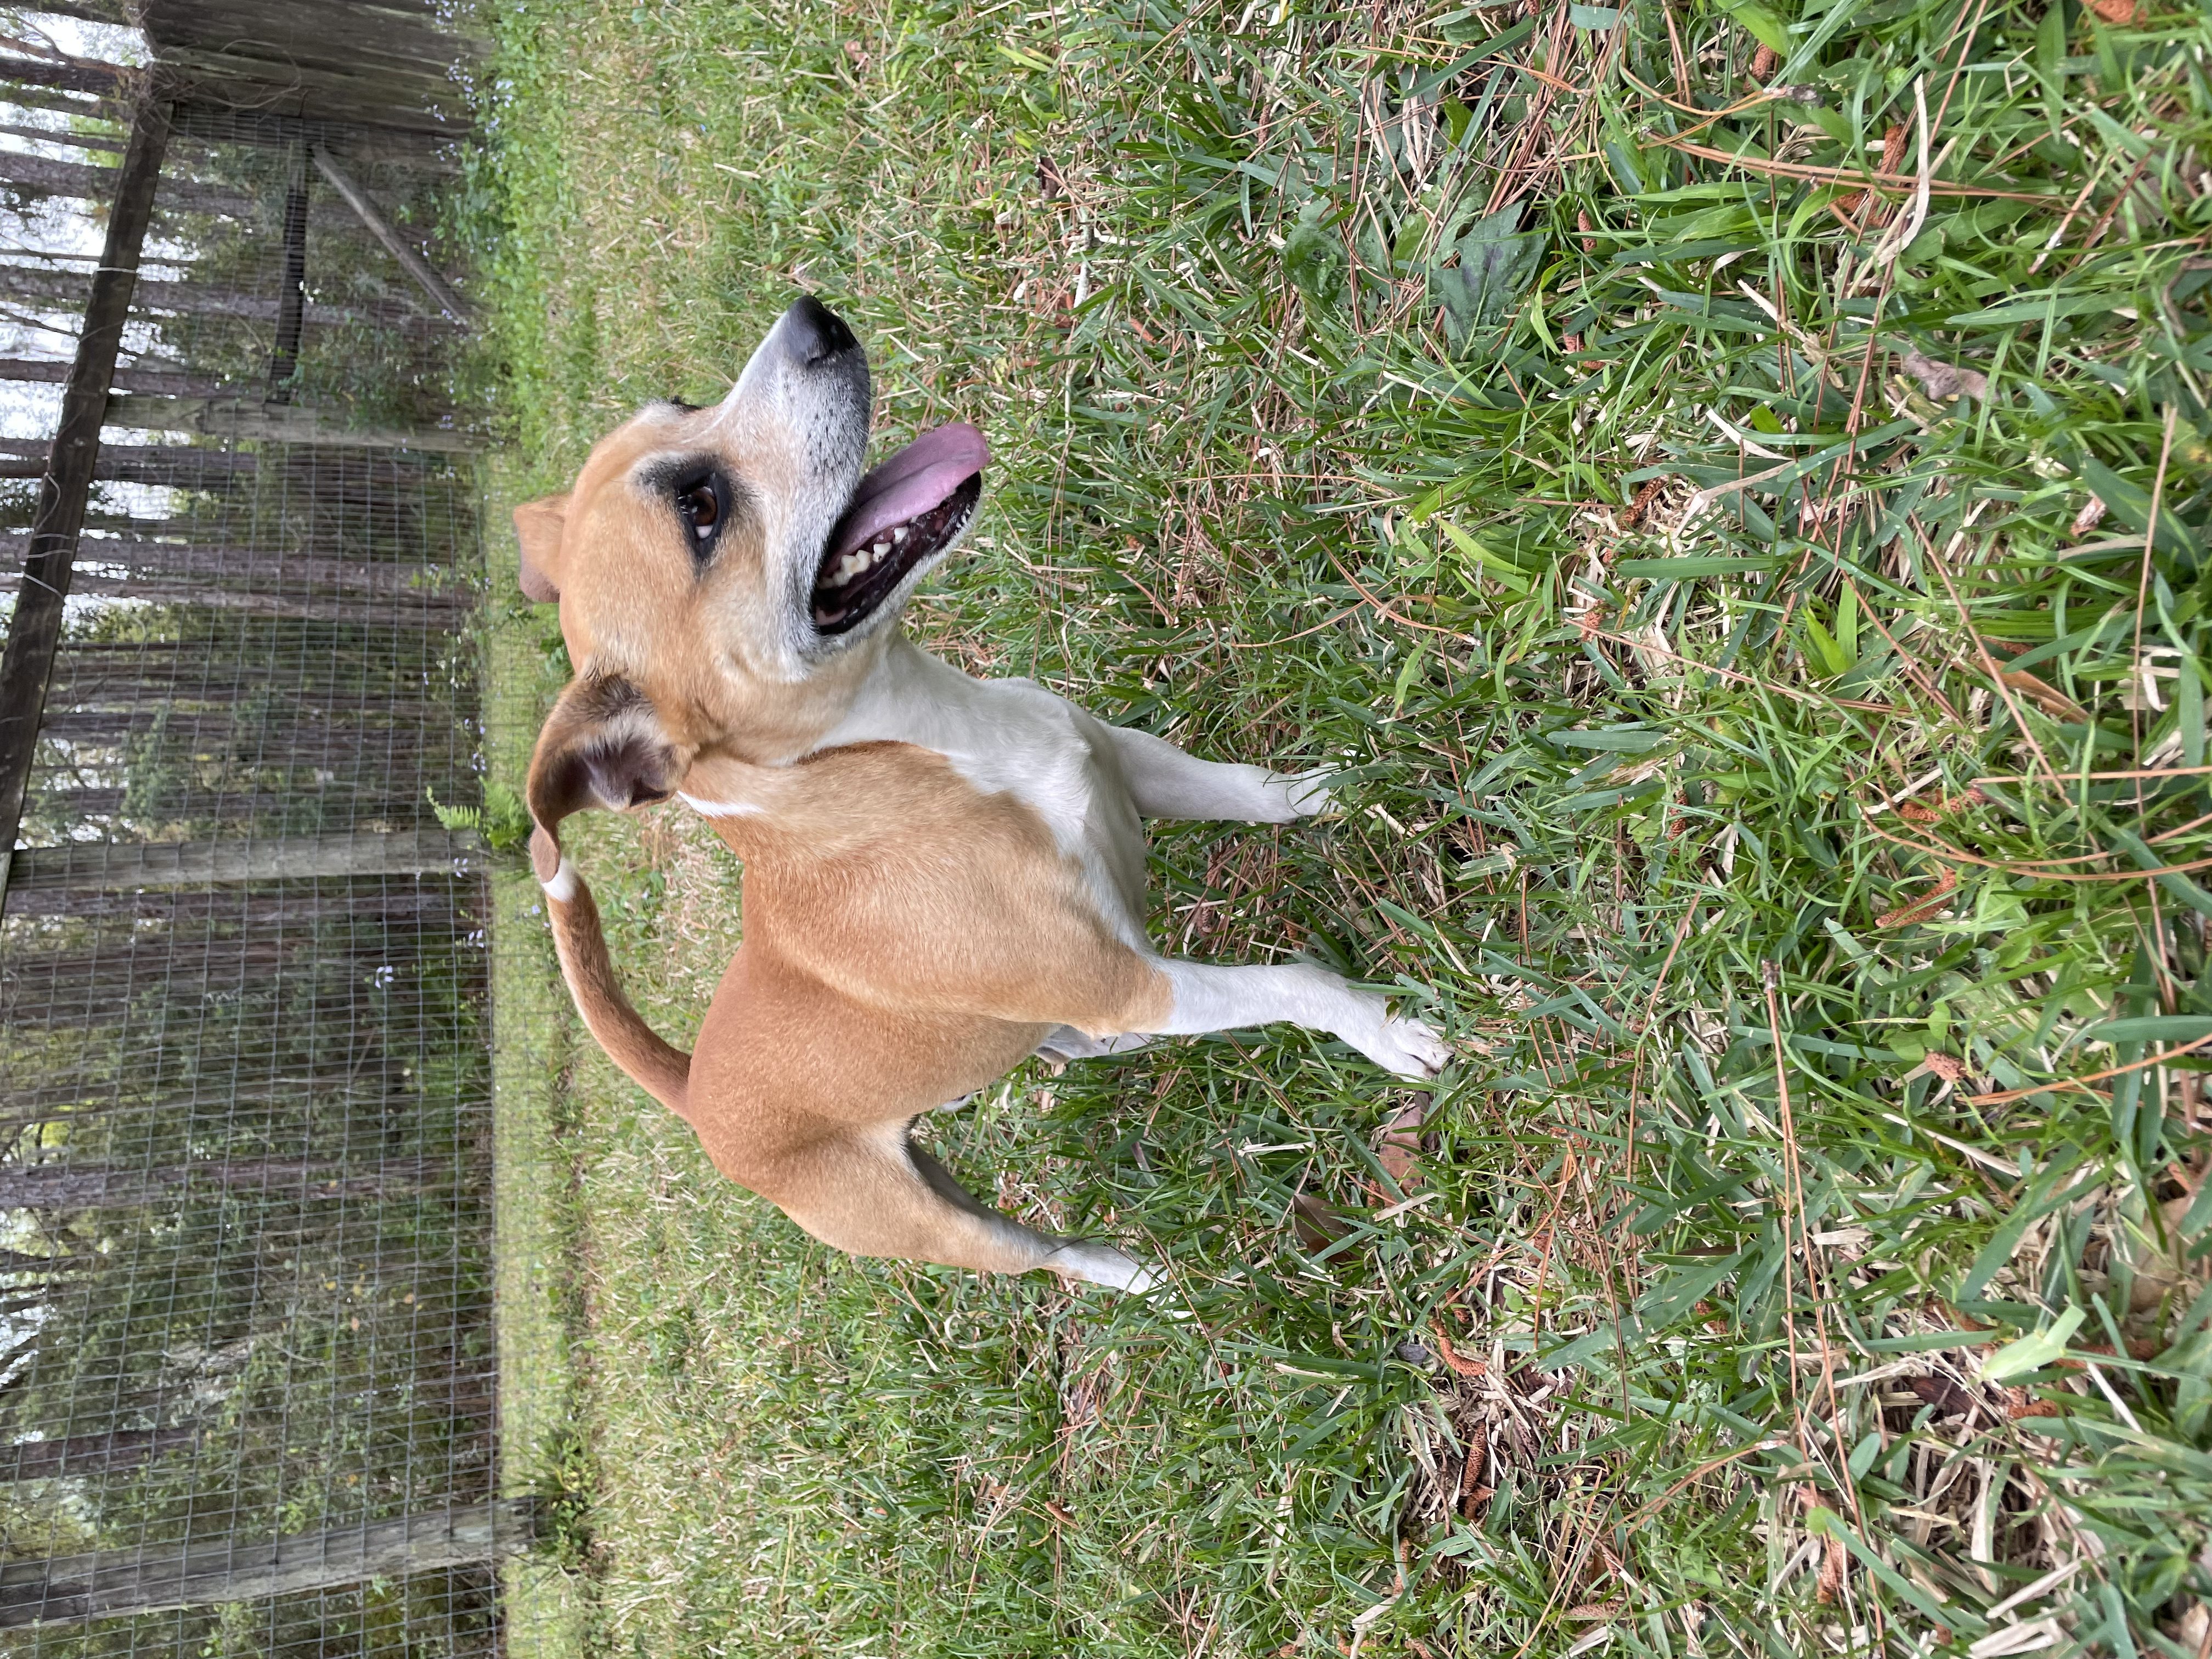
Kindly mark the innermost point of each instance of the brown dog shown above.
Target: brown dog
(942, 875)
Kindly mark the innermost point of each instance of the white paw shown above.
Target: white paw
(955, 1105)
(1411, 1047)
(1309, 795)
(1091, 1263)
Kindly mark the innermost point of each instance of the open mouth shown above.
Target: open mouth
(904, 513)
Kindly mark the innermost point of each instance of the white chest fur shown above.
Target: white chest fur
(1014, 736)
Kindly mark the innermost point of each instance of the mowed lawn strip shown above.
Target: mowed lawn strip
(1728, 486)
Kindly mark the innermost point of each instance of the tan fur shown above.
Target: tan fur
(907, 941)
(910, 936)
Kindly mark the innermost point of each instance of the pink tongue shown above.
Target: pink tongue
(911, 481)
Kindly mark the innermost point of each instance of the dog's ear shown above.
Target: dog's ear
(602, 746)
(539, 523)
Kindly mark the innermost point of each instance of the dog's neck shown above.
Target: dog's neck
(904, 694)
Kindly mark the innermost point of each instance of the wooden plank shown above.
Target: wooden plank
(268, 570)
(113, 867)
(68, 287)
(77, 75)
(62, 1187)
(441, 612)
(155, 382)
(410, 260)
(81, 1455)
(35, 630)
(283, 423)
(72, 1589)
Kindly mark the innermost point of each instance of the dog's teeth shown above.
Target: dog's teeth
(851, 565)
(881, 548)
(899, 534)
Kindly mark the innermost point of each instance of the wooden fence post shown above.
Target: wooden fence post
(115, 1584)
(36, 629)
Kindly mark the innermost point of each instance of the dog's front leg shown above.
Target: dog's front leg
(1166, 783)
(1206, 997)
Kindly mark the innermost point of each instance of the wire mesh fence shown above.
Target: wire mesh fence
(246, 1371)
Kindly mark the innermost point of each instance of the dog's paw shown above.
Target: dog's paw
(1411, 1047)
(1421, 1043)
(1311, 794)
(1088, 1262)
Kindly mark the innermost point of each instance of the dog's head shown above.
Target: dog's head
(726, 575)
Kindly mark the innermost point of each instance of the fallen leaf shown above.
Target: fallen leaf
(1459, 1363)
(1632, 514)
(2091, 515)
(1470, 1478)
(1893, 153)
(1944, 381)
(1399, 1151)
(2158, 1273)
(1763, 62)
(1835, 1560)
(1893, 147)
(1949, 1068)
(1924, 907)
(2120, 13)
(1948, 1399)
(2044, 696)
(1318, 1226)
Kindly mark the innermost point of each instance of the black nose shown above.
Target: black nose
(813, 332)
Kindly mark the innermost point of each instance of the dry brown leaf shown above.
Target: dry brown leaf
(1400, 1149)
(2091, 515)
(2158, 1273)
(1948, 1399)
(2044, 696)
(1893, 153)
(1949, 1068)
(1632, 514)
(1835, 1561)
(1461, 1364)
(1318, 1226)
(1922, 909)
(1763, 62)
(2120, 13)
(1472, 1491)
(1892, 147)
(1944, 381)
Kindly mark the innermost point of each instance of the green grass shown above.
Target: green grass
(1748, 839)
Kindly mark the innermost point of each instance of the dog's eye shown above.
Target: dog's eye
(702, 509)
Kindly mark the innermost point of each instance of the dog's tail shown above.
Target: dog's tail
(662, 1070)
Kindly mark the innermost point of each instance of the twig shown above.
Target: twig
(2083, 1082)
(1941, 850)
(1848, 176)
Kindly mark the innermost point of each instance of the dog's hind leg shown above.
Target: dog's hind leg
(1205, 997)
(874, 1193)
(1166, 783)
(1067, 1043)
